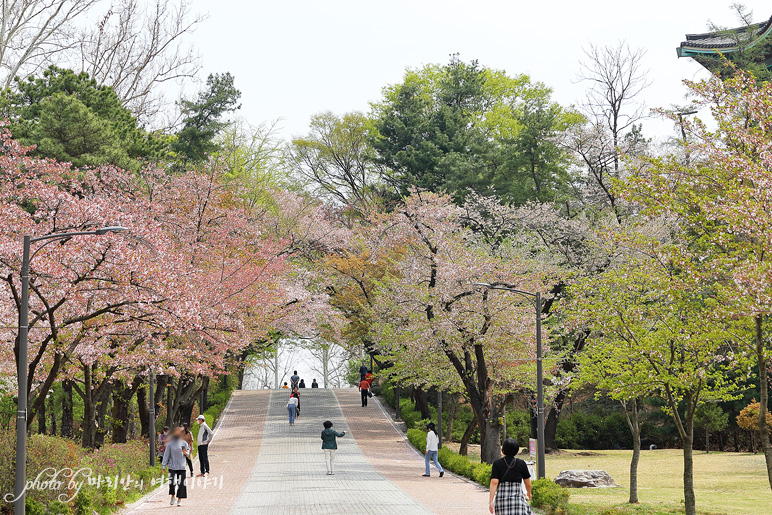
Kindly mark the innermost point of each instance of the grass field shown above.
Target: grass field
(725, 483)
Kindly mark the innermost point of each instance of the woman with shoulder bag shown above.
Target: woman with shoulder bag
(508, 475)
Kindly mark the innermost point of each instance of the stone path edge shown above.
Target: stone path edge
(151, 493)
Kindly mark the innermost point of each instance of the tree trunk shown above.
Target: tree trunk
(41, 414)
(53, 416)
(490, 443)
(707, 440)
(144, 411)
(464, 447)
(67, 416)
(421, 404)
(102, 407)
(635, 428)
(761, 355)
(689, 499)
(490, 427)
(451, 414)
(122, 396)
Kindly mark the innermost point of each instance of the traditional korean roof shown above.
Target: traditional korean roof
(723, 41)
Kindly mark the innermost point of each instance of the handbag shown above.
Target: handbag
(370, 393)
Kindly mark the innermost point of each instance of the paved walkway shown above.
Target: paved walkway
(231, 456)
(401, 464)
(263, 466)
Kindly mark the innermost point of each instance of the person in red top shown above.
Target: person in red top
(369, 377)
(364, 389)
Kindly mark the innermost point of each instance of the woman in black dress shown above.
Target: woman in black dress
(507, 476)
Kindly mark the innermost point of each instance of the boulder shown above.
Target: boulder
(585, 479)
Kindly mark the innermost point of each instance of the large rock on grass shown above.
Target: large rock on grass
(585, 479)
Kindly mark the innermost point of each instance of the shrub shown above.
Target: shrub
(409, 415)
(59, 508)
(84, 503)
(482, 473)
(33, 507)
(549, 495)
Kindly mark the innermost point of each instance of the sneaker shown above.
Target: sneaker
(171, 503)
(425, 475)
(442, 473)
(179, 502)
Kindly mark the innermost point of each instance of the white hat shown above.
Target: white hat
(201, 417)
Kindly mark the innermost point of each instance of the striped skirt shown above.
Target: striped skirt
(510, 500)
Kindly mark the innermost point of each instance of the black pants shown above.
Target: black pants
(364, 397)
(177, 484)
(203, 458)
(190, 464)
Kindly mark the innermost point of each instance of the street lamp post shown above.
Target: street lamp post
(21, 411)
(540, 451)
(151, 415)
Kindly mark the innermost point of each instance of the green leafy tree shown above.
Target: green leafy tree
(722, 202)
(336, 160)
(711, 418)
(462, 127)
(656, 331)
(203, 118)
(68, 116)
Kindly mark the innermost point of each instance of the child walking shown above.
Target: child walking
(329, 445)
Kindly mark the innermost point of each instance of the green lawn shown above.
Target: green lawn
(725, 483)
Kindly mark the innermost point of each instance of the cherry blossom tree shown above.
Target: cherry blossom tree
(722, 201)
(436, 326)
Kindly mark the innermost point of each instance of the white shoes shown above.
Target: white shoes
(179, 502)
(171, 503)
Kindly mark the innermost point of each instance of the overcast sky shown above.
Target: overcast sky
(295, 58)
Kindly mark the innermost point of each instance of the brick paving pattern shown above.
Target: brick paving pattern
(261, 465)
(231, 456)
(398, 461)
(290, 478)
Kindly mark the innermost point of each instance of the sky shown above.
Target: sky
(292, 59)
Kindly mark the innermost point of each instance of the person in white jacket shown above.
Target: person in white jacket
(432, 444)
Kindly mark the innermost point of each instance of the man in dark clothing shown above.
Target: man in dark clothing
(314, 384)
(302, 383)
(294, 380)
(362, 372)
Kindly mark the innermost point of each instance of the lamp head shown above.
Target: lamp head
(112, 228)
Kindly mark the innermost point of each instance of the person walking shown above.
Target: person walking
(432, 446)
(302, 383)
(205, 436)
(314, 384)
(175, 454)
(187, 435)
(362, 371)
(329, 445)
(163, 437)
(364, 390)
(296, 394)
(292, 407)
(369, 377)
(294, 380)
(507, 474)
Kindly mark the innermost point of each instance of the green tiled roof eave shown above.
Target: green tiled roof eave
(692, 45)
